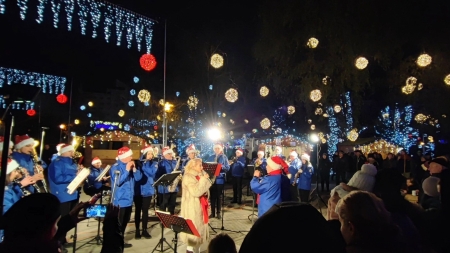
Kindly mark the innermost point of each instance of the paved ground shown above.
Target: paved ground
(237, 221)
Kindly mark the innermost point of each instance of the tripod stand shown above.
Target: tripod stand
(253, 210)
(316, 190)
(98, 239)
(223, 204)
(161, 242)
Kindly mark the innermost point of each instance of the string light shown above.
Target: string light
(265, 123)
(216, 61)
(349, 113)
(264, 91)
(326, 80)
(361, 63)
(333, 139)
(40, 10)
(2, 6)
(447, 79)
(291, 110)
(96, 15)
(56, 7)
(231, 95)
(424, 60)
(22, 4)
(312, 43)
(121, 113)
(420, 118)
(353, 134)
(337, 108)
(144, 96)
(192, 102)
(315, 95)
(69, 8)
(50, 84)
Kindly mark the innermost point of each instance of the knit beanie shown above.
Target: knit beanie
(364, 179)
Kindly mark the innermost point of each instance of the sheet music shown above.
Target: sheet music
(210, 168)
(105, 170)
(72, 187)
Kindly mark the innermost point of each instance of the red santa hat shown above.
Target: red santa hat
(2, 139)
(190, 149)
(278, 148)
(277, 163)
(12, 165)
(305, 157)
(22, 141)
(96, 160)
(293, 153)
(167, 150)
(66, 148)
(124, 152)
(58, 147)
(261, 152)
(239, 150)
(218, 145)
(147, 149)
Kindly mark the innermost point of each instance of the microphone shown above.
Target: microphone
(117, 172)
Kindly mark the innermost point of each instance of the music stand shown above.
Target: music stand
(165, 180)
(177, 225)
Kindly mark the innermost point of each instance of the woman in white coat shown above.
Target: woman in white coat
(194, 203)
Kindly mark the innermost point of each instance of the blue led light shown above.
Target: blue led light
(82, 107)
(210, 87)
(69, 8)
(126, 127)
(89, 115)
(49, 84)
(333, 139)
(2, 6)
(177, 93)
(131, 103)
(146, 104)
(132, 92)
(136, 79)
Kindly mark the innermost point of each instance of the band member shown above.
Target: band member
(14, 189)
(217, 188)
(271, 187)
(194, 203)
(304, 178)
(143, 191)
(237, 173)
(22, 154)
(58, 148)
(294, 166)
(279, 152)
(192, 154)
(260, 162)
(61, 172)
(166, 166)
(94, 186)
(124, 191)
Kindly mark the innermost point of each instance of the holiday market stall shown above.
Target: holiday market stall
(371, 145)
(288, 143)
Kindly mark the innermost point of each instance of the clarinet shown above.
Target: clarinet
(25, 192)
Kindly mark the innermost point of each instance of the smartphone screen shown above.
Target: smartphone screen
(95, 211)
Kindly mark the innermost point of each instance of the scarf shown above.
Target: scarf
(204, 203)
(273, 173)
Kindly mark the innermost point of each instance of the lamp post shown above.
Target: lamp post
(167, 108)
(61, 128)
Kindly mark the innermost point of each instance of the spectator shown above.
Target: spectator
(222, 243)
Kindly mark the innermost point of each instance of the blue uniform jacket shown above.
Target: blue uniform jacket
(294, 166)
(222, 159)
(13, 193)
(237, 168)
(93, 175)
(304, 181)
(61, 173)
(144, 186)
(25, 161)
(165, 167)
(54, 156)
(269, 189)
(124, 192)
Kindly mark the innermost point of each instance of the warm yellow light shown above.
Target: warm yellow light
(361, 63)
(326, 80)
(312, 42)
(319, 111)
(424, 60)
(337, 108)
(144, 96)
(90, 103)
(447, 80)
(77, 121)
(353, 134)
(102, 129)
(265, 123)
(313, 127)
(231, 95)
(315, 95)
(62, 126)
(121, 113)
(216, 61)
(192, 102)
(420, 118)
(167, 107)
(36, 143)
(291, 110)
(264, 91)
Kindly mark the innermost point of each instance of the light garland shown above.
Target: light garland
(91, 14)
(231, 95)
(315, 95)
(380, 146)
(216, 61)
(144, 96)
(447, 79)
(424, 60)
(265, 123)
(264, 91)
(333, 139)
(312, 42)
(291, 110)
(50, 84)
(361, 63)
(192, 102)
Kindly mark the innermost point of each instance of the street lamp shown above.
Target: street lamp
(314, 138)
(61, 127)
(167, 108)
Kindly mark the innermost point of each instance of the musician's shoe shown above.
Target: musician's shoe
(127, 245)
(218, 216)
(212, 216)
(137, 235)
(145, 234)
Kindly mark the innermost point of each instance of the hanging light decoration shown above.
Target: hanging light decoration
(447, 79)
(361, 63)
(410, 85)
(325, 115)
(353, 134)
(61, 98)
(312, 42)
(192, 102)
(121, 113)
(290, 109)
(313, 127)
(144, 96)
(326, 80)
(318, 111)
(31, 112)
(424, 60)
(264, 91)
(216, 61)
(265, 123)
(231, 95)
(420, 86)
(76, 121)
(90, 103)
(148, 62)
(315, 95)
(246, 121)
(420, 118)
(309, 121)
(337, 108)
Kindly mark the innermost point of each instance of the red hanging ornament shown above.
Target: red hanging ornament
(155, 127)
(61, 98)
(31, 112)
(148, 62)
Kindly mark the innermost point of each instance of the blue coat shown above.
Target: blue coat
(222, 159)
(304, 181)
(54, 156)
(294, 166)
(123, 195)
(13, 193)
(269, 189)
(237, 168)
(144, 186)
(165, 167)
(61, 173)
(93, 175)
(25, 161)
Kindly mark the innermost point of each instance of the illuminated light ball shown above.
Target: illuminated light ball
(210, 87)
(246, 121)
(419, 86)
(326, 80)
(82, 107)
(31, 112)
(224, 115)
(265, 123)
(136, 79)
(411, 80)
(254, 130)
(291, 110)
(231, 132)
(161, 102)
(77, 121)
(337, 108)
(420, 118)
(216, 61)
(144, 96)
(131, 103)
(361, 63)
(90, 103)
(444, 116)
(121, 113)
(89, 115)
(315, 95)
(313, 127)
(319, 111)
(155, 127)
(447, 79)
(353, 135)
(309, 121)
(192, 102)
(61, 98)
(424, 60)
(102, 129)
(231, 95)
(325, 115)
(177, 93)
(132, 92)
(148, 62)
(408, 89)
(264, 91)
(323, 140)
(312, 42)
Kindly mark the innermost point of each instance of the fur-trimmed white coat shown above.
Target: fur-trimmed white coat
(192, 190)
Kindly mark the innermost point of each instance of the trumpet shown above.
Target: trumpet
(230, 162)
(258, 162)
